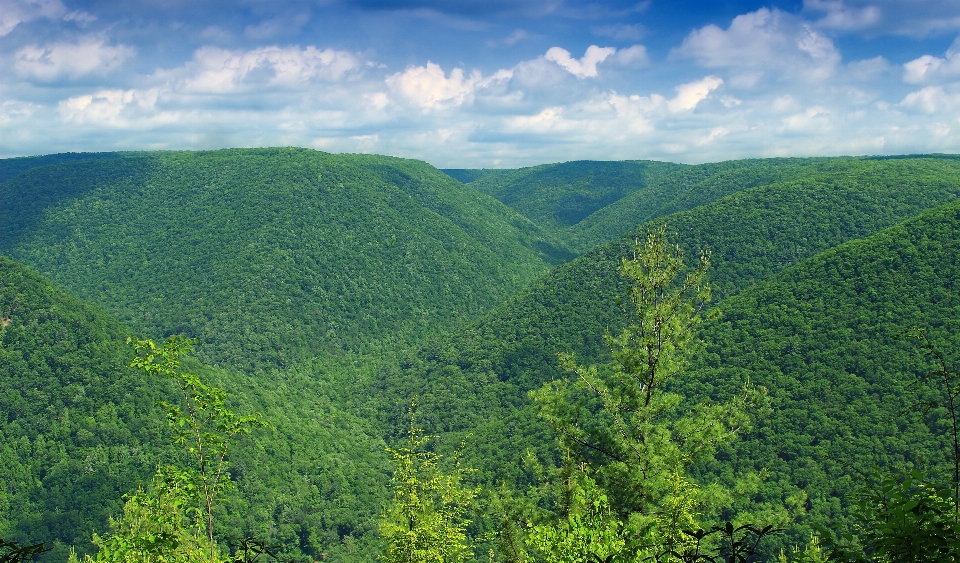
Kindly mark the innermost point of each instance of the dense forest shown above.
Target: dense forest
(402, 329)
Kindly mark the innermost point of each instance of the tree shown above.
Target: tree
(912, 515)
(426, 522)
(156, 526)
(203, 424)
(621, 420)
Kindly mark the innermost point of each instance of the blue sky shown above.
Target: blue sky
(475, 83)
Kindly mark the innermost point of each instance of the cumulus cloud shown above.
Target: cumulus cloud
(429, 87)
(838, 15)
(15, 12)
(635, 55)
(933, 99)
(113, 108)
(692, 93)
(221, 71)
(928, 67)
(586, 66)
(762, 41)
(90, 55)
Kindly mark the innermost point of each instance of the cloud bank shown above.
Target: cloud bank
(501, 88)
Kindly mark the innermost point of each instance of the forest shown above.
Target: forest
(254, 354)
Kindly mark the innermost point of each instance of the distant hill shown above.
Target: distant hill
(588, 203)
(557, 196)
(10, 167)
(271, 255)
(475, 381)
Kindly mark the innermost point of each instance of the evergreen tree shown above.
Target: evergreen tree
(622, 421)
(426, 521)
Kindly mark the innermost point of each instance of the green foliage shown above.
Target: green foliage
(313, 269)
(557, 196)
(157, 526)
(639, 439)
(818, 336)
(201, 422)
(426, 521)
(77, 430)
(280, 254)
(590, 532)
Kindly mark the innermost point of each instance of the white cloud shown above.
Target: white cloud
(15, 12)
(933, 99)
(114, 108)
(429, 88)
(838, 15)
(692, 93)
(586, 66)
(764, 41)
(219, 71)
(814, 120)
(91, 55)
(635, 55)
(928, 68)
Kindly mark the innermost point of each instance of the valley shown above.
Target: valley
(328, 292)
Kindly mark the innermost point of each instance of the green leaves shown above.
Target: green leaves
(202, 423)
(621, 420)
(426, 520)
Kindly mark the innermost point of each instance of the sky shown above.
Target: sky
(484, 83)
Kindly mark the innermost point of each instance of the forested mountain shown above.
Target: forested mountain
(80, 430)
(329, 291)
(274, 255)
(589, 203)
(557, 196)
(475, 381)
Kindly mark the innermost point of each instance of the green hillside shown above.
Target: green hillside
(10, 167)
(475, 381)
(557, 196)
(825, 337)
(589, 203)
(269, 256)
(77, 431)
(327, 291)
(80, 430)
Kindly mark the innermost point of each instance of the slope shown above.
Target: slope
(625, 194)
(753, 234)
(476, 379)
(556, 196)
(825, 337)
(269, 256)
(76, 429)
(79, 430)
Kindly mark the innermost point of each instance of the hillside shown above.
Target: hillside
(269, 256)
(80, 430)
(476, 380)
(557, 196)
(589, 203)
(330, 290)
(77, 431)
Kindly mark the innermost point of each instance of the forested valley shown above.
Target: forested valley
(295, 355)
